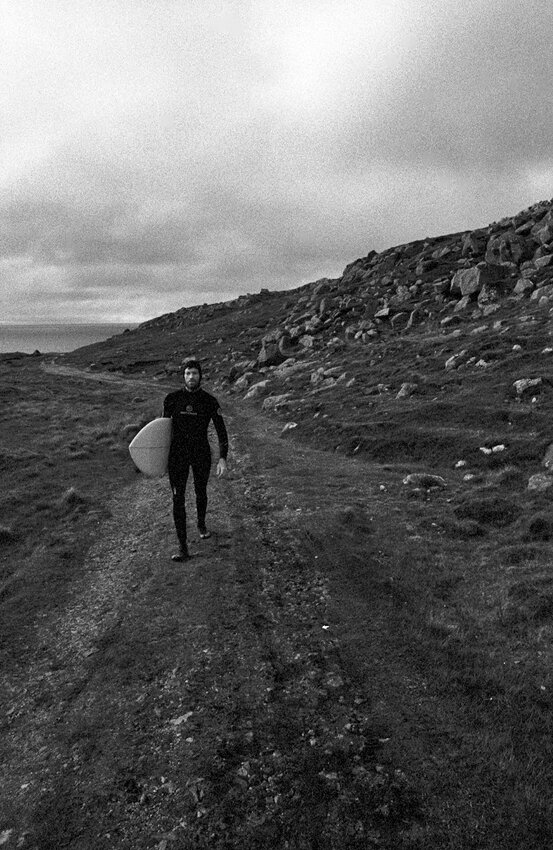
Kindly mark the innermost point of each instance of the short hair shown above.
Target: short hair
(193, 364)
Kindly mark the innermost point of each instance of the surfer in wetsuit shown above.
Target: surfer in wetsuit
(191, 409)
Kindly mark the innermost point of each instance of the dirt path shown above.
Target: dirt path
(255, 696)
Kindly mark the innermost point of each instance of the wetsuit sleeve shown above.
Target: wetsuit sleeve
(220, 427)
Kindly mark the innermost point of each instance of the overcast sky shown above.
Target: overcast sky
(160, 153)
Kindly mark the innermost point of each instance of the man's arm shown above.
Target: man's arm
(220, 427)
(222, 435)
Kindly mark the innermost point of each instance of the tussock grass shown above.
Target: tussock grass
(56, 483)
(7, 534)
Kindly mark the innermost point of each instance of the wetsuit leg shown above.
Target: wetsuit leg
(178, 478)
(201, 467)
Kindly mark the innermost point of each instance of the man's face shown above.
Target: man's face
(191, 378)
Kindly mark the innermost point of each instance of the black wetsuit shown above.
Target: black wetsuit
(191, 412)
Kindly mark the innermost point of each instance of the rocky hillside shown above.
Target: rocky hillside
(408, 344)
(432, 283)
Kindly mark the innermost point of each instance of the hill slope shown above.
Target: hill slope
(411, 355)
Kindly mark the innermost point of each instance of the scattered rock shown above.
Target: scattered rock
(243, 381)
(455, 360)
(525, 385)
(540, 482)
(258, 389)
(425, 480)
(274, 402)
(548, 459)
(270, 354)
(471, 281)
(407, 390)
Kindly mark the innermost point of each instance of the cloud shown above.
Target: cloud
(468, 94)
(162, 154)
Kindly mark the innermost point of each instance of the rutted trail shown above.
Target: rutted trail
(258, 695)
(197, 701)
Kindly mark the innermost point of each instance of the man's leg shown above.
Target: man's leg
(178, 480)
(201, 468)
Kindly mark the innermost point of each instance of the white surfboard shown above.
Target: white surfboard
(150, 448)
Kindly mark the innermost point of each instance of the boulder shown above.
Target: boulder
(543, 231)
(274, 402)
(257, 390)
(540, 482)
(286, 346)
(492, 291)
(507, 247)
(523, 285)
(543, 261)
(472, 280)
(473, 244)
(542, 292)
(455, 360)
(270, 355)
(524, 229)
(407, 390)
(462, 304)
(243, 382)
(272, 336)
(524, 386)
(425, 480)
(401, 295)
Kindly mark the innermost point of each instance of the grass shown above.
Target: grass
(442, 608)
(57, 474)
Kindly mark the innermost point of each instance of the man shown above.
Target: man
(191, 409)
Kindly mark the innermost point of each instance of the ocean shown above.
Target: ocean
(54, 338)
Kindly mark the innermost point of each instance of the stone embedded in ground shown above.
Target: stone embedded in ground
(548, 459)
(407, 390)
(540, 482)
(455, 360)
(525, 385)
(471, 281)
(425, 480)
(276, 401)
(257, 390)
(243, 382)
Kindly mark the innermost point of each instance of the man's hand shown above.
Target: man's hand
(221, 468)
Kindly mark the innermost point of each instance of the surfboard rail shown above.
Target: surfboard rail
(149, 450)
